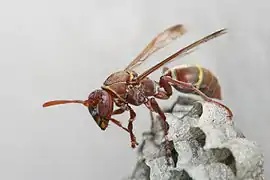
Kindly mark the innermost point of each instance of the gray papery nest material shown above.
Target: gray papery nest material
(205, 145)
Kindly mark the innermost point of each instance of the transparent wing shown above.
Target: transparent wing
(159, 42)
(182, 52)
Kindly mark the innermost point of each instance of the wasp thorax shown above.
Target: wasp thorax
(100, 107)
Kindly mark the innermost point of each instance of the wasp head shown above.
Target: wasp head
(99, 103)
(100, 106)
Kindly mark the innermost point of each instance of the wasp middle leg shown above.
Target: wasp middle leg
(153, 106)
(132, 115)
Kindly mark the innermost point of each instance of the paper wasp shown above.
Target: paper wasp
(126, 87)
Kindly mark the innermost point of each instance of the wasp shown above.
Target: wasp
(127, 88)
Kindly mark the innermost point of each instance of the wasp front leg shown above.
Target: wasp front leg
(118, 123)
(166, 81)
(130, 125)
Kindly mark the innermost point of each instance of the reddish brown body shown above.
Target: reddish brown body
(125, 88)
(118, 86)
(202, 78)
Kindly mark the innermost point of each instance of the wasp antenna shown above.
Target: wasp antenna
(223, 31)
(58, 102)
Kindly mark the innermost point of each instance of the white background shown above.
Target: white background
(58, 49)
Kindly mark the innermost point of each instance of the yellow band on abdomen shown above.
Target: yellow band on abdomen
(200, 78)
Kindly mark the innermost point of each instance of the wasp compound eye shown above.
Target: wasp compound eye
(93, 110)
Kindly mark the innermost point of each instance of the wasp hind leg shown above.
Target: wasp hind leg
(167, 80)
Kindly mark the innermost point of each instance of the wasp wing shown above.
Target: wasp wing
(159, 42)
(182, 52)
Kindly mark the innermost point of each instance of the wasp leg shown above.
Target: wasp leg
(153, 106)
(162, 95)
(167, 79)
(118, 111)
(132, 115)
(130, 125)
(118, 123)
(166, 92)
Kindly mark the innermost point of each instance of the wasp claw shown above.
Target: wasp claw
(133, 144)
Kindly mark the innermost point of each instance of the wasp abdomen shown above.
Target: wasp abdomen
(200, 77)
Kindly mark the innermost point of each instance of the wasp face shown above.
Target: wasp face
(100, 107)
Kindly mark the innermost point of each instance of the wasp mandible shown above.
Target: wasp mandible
(125, 88)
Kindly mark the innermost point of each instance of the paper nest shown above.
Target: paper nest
(205, 145)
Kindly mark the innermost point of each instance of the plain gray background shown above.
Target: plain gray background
(58, 49)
